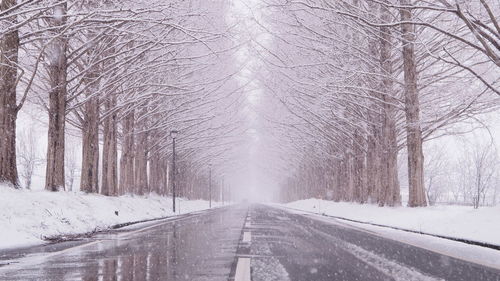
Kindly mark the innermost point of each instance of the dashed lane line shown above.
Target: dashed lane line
(247, 237)
(243, 270)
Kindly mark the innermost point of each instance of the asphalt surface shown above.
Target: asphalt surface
(200, 247)
(302, 248)
(210, 245)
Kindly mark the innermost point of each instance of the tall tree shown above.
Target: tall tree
(127, 175)
(57, 72)
(389, 190)
(9, 49)
(90, 125)
(109, 182)
(412, 109)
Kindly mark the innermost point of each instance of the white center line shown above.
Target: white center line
(247, 237)
(242, 270)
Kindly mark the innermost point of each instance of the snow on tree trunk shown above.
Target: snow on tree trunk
(412, 109)
(57, 75)
(9, 49)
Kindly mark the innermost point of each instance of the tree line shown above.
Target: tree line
(366, 81)
(123, 74)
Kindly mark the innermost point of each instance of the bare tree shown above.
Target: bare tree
(28, 155)
(70, 167)
(479, 165)
(436, 168)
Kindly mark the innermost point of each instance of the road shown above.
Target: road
(240, 243)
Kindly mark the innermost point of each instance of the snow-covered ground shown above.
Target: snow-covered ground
(482, 225)
(26, 217)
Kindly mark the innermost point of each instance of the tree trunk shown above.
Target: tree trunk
(360, 190)
(412, 109)
(127, 179)
(373, 164)
(374, 147)
(337, 174)
(90, 147)
(57, 73)
(141, 163)
(109, 182)
(389, 193)
(155, 173)
(9, 51)
(90, 144)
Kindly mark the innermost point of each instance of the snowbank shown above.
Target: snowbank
(26, 217)
(482, 225)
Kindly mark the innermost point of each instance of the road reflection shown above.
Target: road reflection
(197, 248)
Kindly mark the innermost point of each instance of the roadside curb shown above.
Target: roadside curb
(462, 240)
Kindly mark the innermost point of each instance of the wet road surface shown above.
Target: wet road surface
(289, 246)
(200, 247)
(241, 243)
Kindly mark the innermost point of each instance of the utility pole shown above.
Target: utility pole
(173, 134)
(210, 185)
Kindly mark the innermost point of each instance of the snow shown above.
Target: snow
(27, 217)
(482, 225)
(470, 253)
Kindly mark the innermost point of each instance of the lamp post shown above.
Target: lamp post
(173, 134)
(210, 186)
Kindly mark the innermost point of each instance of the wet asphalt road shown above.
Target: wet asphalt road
(199, 247)
(298, 247)
(207, 246)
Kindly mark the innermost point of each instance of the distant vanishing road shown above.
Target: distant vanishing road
(241, 243)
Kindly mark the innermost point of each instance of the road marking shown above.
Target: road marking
(258, 256)
(243, 270)
(247, 237)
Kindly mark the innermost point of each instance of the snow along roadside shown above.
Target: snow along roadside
(470, 253)
(455, 222)
(28, 218)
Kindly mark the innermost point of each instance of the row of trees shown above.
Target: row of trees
(122, 75)
(366, 80)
